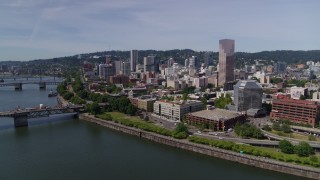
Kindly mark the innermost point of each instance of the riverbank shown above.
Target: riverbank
(259, 162)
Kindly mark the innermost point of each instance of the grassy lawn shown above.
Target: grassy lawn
(271, 153)
(120, 116)
(293, 135)
(135, 121)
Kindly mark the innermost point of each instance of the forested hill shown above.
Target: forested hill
(285, 55)
(179, 56)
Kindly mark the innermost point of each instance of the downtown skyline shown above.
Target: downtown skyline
(34, 29)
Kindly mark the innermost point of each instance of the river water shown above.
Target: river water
(60, 147)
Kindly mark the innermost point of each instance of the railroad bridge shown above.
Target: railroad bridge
(21, 116)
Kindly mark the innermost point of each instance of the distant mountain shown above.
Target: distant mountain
(178, 54)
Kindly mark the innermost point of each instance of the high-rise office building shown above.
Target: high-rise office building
(208, 58)
(125, 68)
(247, 95)
(108, 59)
(186, 63)
(148, 63)
(133, 60)
(280, 67)
(105, 71)
(226, 61)
(117, 67)
(170, 62)
(194, 62)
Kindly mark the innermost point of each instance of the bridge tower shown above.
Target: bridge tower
(18, 86)
(21, 120)
(42, 85)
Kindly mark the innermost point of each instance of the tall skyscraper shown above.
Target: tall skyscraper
(208, 58)
(133, 60)
(108, 59)
(194, 62)
(170, 62)
(117, 67)
(186, 63)
(226, 61)
(148, 63)
(125, 68)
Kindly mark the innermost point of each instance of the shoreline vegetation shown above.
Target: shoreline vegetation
(220, 149)
(136, 122)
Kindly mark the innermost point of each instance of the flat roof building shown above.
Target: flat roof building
(176, 110)
(216, 119)
(299, 111)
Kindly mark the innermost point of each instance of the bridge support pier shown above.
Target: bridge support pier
(20, 121)
(17, 86)
(42, 85)
(76, 116)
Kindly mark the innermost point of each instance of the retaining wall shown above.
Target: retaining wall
(259, 162)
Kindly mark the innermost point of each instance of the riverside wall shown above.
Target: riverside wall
(259, 162)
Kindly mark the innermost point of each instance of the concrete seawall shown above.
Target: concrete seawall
(259, 162)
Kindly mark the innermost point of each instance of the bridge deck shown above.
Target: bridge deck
(35, 113)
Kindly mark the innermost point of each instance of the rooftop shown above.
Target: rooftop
(181, 102)
(296, 102)
(252, 84)
(216, 114)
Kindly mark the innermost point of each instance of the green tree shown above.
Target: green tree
(189, 90)
(185, 96)
(68, 95)
(267, 107)
(181, 131)
(131, 110)
(83, 94)
(95, 108)
(303, 149)
(223, 101)
(204, 102)
(286, 128)
(181, 127)
(247, 130)
(61, 88)
(77, 100)
(286, 147)
(276, 126)
(266, 127)
(276, 80)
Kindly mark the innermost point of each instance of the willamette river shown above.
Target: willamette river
(64, 148)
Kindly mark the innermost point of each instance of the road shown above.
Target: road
(165, 123)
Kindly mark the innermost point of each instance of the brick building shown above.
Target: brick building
(299, 111)
(216, 119)
(119, 79)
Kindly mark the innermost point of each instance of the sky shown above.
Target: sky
(39, 29)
